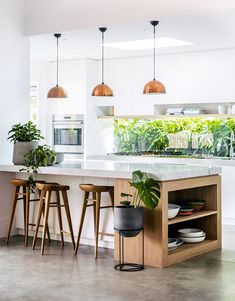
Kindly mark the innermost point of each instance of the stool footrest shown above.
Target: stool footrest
(56, 205)
(106, 234)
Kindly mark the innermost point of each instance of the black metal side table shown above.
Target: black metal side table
(122, 265)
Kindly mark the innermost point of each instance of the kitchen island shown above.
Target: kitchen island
(177, 182)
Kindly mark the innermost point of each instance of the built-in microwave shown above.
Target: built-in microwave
(68, 133)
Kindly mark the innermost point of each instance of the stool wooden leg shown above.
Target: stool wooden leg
(66, 205)
(60, 217)
(27, 197)
(86, 196)
(47, 202)
(97, 223)
(48, 231)
(12, 212)
(24, 208)
(111, 194)
(43, 213)
(94, 209)
(40, 210)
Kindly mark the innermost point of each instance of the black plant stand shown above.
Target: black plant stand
(124, 266)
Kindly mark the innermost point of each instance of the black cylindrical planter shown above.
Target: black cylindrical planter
(128, 221)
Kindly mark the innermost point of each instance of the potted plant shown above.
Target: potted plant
(43, 155)
(25, 138)
(128, 217)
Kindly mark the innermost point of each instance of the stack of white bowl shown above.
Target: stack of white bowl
(191, 235)
(173, 210)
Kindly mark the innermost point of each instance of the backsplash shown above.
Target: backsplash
(188, 137)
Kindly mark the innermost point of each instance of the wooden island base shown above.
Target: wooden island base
(157, 227)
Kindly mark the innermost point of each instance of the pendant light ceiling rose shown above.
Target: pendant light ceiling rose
(57, 91)
(102, 89)
(154, 86)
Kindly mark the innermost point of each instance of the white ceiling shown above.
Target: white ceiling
(209, 26)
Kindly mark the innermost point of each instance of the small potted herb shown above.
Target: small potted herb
(25, 138)
(43, 155)
(128, 217)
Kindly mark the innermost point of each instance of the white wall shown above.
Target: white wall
(14, 72)
(14, 90)
(188, 77)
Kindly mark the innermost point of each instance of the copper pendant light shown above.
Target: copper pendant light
(102, 89)
(57, 91)
(154, 86)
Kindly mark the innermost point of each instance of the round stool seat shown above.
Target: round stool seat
(51, 187)
(95, 188)
(20, 182)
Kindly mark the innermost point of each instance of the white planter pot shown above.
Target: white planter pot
(22, 148)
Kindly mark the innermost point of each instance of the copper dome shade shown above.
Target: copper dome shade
(154, 87)
(57, 92)
(102, 90)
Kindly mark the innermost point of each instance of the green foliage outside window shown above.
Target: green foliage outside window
(212, 135)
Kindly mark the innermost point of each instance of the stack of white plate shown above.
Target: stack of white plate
(174, 243)
(190, 235)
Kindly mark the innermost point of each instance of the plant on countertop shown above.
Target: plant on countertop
(24, 133)
(147, 190)
(43, 155)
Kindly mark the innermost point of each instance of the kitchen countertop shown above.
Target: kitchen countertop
(114, 169)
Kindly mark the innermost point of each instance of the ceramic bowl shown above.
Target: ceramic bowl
(172, 242)
(197, 205)
(190, 232)
(173, 210)
(185, 211)
(193, 240)
(179, 242)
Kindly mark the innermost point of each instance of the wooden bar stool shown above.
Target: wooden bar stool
(45, 200)
(22, 192)
(96, 192)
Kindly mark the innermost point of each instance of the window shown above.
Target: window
(34, 102)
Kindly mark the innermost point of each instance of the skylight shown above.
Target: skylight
(147, 44)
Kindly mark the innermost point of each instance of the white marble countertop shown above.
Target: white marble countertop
(114, 169)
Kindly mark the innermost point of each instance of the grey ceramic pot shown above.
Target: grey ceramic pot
(22, 148)
(128, 221)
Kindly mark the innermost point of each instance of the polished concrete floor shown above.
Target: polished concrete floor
(25, 275)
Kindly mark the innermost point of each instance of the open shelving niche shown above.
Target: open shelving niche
(106, 110)
(208, 220)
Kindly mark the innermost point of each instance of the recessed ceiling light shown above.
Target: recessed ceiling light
(148, 44)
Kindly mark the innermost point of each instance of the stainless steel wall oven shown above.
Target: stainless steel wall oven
(68, 133)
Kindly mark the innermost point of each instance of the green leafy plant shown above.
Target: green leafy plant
(24, 133)
(147, 190)
(43, 155)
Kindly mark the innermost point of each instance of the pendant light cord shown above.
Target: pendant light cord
(57, 63)
(102, 58)
(154, 53)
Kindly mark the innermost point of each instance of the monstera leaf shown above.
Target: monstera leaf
(148, 189)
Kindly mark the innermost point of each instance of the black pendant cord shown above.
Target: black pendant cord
(57, 36)
(102, 30)
(57, 63)
(154, 23)
(102, 57)
(154, 53)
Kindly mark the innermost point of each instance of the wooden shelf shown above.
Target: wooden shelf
(199, 214)
(166, 116)
(186, 251)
